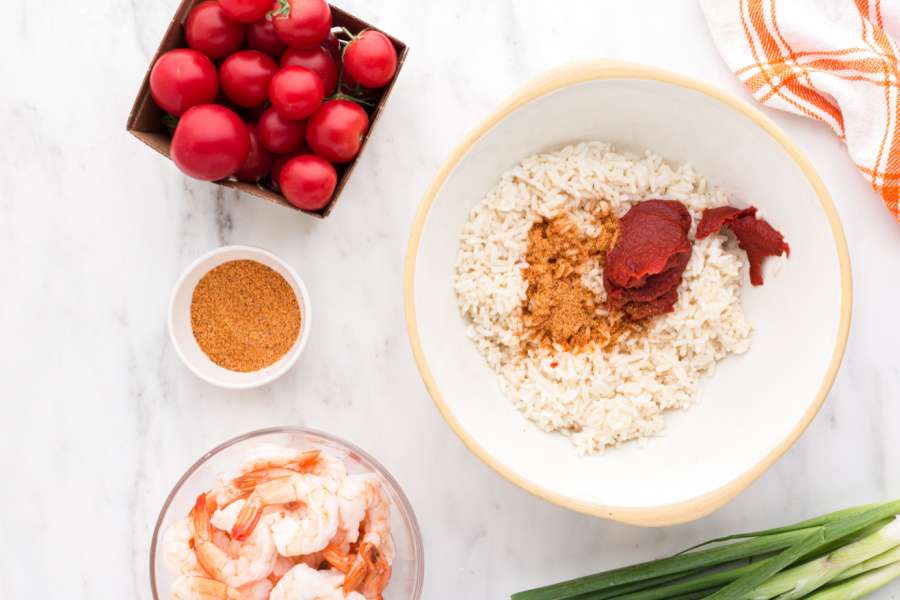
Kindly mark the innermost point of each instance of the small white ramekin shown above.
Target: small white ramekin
(182, 334)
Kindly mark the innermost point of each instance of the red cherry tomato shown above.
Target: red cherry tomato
(245, 11)
(281, 160)
(209, 31)
(245, 77)
(277, 166)
(252, 115)
(181, 79)
(211, 142)
(262, 36)
(371, 59)
(333, 46)
(258, 163)
(296, 92)
(307, 181)
(302, 23)
(350, 87)
(336, 131)
(279, 135)
(318, 60)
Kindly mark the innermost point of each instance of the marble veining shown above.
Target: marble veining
(100, 418)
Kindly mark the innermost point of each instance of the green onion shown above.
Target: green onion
(882, 560)
(681, 563)
(799, 581)
(814, 522)
(861, 585)
(844, 552)
(821, 536)
(691, 585)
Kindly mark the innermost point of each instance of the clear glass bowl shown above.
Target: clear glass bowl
(408, 568)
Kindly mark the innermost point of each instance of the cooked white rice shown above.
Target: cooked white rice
(599, 399)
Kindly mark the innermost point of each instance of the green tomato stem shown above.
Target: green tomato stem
(338, 31)
(283, 10)
(171, 122)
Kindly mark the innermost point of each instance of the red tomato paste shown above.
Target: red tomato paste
(757, 238)
(644, 269)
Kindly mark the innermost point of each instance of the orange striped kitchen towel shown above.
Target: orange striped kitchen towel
(831, 60)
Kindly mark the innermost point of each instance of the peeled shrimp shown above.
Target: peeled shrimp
(303, 583)
(376, 548)
(283, 564)
(295, 532)
(202, 588)
(267, 462)
(225, 517)
(258, 590)
(376, 525)
(365, 515)
(352, 503)
(224, 541)
(228, 492)
(270, 456)
(178, 549)
(369, 569)
(313, 561)
(330, 468)
(243, 563)
(370, 573)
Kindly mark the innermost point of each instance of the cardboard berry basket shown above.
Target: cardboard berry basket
(146, 119)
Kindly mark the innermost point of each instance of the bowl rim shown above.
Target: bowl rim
(407, 509)
(553, 80)
(295, 351)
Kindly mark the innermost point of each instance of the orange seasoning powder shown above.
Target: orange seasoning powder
(244, 315)
(559, 310)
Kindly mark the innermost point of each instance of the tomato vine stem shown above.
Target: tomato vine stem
(283, 10)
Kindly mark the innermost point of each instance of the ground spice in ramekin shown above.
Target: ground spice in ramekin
(244, 315)
(559, 309)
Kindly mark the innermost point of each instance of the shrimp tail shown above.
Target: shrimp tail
(337, 559)
(202, 536)
(356, 574)
(200, 517)
(247, 482)
(307, 458)
(377, 569)
(369, 569)
(247, 519)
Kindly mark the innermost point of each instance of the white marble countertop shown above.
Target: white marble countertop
(99, 417)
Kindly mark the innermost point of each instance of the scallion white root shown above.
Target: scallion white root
(861, 585)
(798, 581)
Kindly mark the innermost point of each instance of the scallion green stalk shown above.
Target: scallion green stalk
(848, 550)
(689, 585)
(682, 563)
(814, 522)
